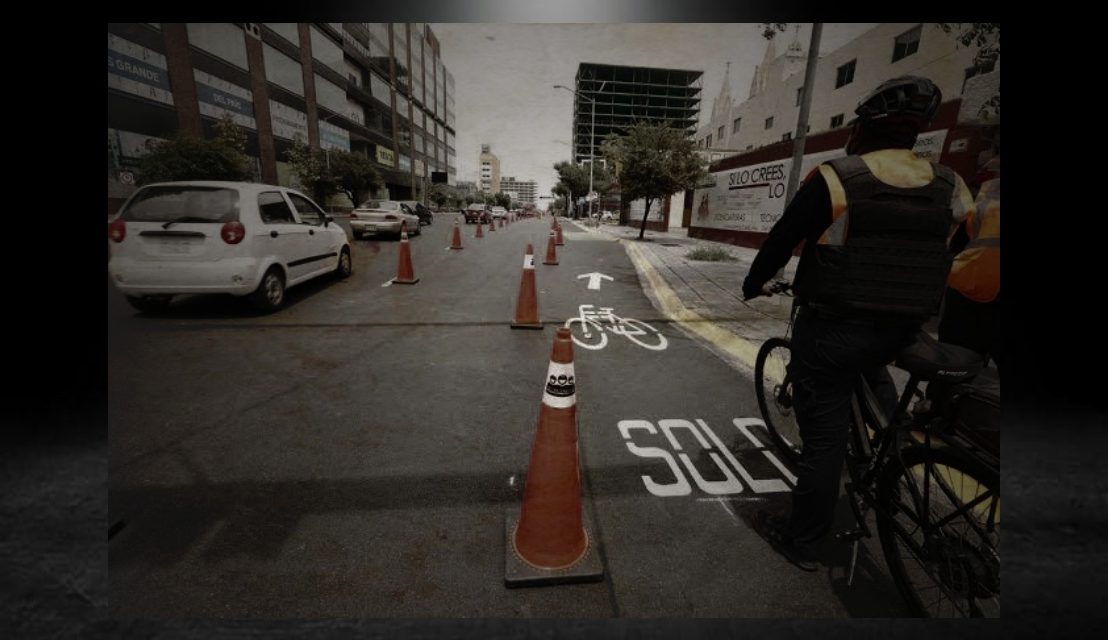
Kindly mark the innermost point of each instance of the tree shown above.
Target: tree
(575, 178)
(655, 161)
(503, 200)
(986, 37)
(187, 157)
(310, 166)
(354, 175)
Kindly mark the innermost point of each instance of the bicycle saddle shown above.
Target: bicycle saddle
(933, 360)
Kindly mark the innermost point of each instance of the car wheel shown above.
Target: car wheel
(358, 235)
(149, 304)
(270, 294)
(346, 265)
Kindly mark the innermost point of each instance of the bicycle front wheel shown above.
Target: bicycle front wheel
(938, 517)
(774, 391)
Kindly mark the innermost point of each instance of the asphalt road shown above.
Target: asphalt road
(355, 453)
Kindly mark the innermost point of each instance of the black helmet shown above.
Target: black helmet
(911, 96)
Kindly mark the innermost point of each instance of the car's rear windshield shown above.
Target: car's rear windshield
(183, 203)
(380, 204)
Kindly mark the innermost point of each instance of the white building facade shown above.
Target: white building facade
(843, 78)
(521, 191)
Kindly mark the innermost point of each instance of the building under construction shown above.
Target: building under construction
(626, 95)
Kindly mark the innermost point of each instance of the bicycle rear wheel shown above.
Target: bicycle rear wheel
(774, 391)
(938, 518)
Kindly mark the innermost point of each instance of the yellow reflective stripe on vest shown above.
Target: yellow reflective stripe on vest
(836, 232)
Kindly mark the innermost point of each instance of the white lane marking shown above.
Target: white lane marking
(594, 279)
(387, 284)
(772, 485)
(743, 425)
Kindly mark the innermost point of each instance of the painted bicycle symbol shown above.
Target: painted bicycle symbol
(594, 325)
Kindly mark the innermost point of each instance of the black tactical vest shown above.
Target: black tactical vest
(895, 259)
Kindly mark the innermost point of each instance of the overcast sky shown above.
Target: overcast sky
(504, 73)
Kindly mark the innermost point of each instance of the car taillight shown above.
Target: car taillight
(117, 230)
(232, 232)
(353, 216)
(391, 217)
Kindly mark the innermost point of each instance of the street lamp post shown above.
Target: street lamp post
(592, 134)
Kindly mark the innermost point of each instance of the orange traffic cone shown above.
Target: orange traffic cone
(492, 224)
(502, 223)
(551, 252)
(404, 272)
(552, 540)
(560, 241)
(456, 243)
(479, 234)
(527, 306)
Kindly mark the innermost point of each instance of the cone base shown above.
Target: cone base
(455, 247)
(518, 573)
(548, 262)
(526, 325)
(398, 281)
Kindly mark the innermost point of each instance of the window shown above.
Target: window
(799, 95)
(735, 125)
(769, 122)
(274, 209)
(845, 74)
(788, 135)
(836, 121)
(708, 142)
(309, 213)
(906, 43)
(719, 134)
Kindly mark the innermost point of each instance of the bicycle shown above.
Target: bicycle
(931, 480)
(592, 319)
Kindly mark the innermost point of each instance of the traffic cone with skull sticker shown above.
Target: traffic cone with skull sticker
(550, 539)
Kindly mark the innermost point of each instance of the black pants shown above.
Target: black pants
(828, 355)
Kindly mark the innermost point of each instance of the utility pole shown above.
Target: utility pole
(802, 119)
(805, 108)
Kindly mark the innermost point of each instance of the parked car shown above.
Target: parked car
(423, 213)
(242, 238)
(477, 212)
(499, 212)
(382, 216)
(608, 216)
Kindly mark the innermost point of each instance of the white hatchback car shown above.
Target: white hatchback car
(242, 238)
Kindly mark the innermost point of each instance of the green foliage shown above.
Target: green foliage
(573, 180)
(310, 167)
(986, 37)
(654, 161)
(186, 157)
(502, 200)
(353, 174)
(710, 254)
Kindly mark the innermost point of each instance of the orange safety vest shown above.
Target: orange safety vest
(976, 270)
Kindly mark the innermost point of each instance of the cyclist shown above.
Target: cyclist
(971, 308)
(876, 226)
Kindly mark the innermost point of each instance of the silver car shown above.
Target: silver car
(382, 216)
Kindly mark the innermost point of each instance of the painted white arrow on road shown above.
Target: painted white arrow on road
(594, 278)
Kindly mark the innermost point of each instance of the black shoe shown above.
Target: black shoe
(773, 530)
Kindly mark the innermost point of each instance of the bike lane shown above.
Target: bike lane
(676, 463)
